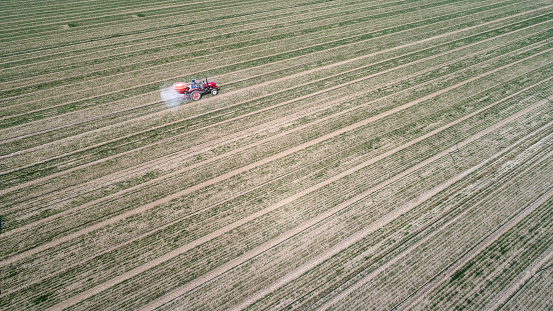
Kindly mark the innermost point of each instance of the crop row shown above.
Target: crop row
(323, 81)
(368, 254)
(167, 68)
(393, 198)
(263, 149)
(97, 121)
(82, 35)
(203, 40)
(338, 191)
(32, 138)
(438, 251)
(534, 294)
(480, 279)
(342, 267)
(318, 204)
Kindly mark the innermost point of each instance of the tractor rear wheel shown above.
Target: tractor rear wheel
(196, 95)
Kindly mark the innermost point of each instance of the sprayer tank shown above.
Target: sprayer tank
(180, 87)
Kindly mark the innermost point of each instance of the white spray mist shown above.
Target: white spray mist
(171, 97)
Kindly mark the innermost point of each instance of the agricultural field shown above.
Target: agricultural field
(360, 155)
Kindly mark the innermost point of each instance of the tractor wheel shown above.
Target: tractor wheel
(214, 92)
(196, 95)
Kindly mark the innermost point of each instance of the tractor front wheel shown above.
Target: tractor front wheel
(214, 92)
(196, 95)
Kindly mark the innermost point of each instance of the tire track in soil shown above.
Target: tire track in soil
(250, 254)
(263, 25)
(520, 281)
(380, 269)
(155, 29)
(264, 247)
(120, 123)
(243, 116)
(135, 86)
(141, 235)
(447, 273)
(330, 104)
(266, 160)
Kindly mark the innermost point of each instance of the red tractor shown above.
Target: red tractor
(195, 90)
